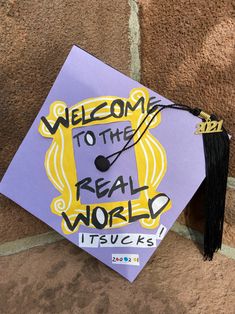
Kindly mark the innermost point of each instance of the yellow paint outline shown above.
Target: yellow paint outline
(61, 169)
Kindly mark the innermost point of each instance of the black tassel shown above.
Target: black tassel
(216, 149)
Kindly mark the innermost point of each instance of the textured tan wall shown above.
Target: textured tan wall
(61, 278)
(36, 38)
(188, 55)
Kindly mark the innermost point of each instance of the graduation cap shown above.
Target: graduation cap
(110, 164)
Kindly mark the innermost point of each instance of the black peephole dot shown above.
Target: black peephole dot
(102, 163)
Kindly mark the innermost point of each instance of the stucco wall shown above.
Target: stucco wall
(36, 38)
(182, 49)
(188, 55)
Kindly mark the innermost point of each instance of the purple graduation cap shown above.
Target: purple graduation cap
(110, 164)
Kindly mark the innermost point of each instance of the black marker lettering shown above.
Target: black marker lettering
(92, 236)
(74, 116)
(94, 111)
(99, 214)
(98, 186)
(60, 120)
(120, 104)
(135, 218)
(77, 137)
(80, 217)
(126, 237)
(118, 184)
(140, 102)
(83, 184)
(115, 134)
(103, 239)
(150, 242)
(152, 102)
(140, 239)
(116, 212)
(89, 138)
(84, 121)
(112, 239)
(128, 131)
(103, 134)
(136, 190)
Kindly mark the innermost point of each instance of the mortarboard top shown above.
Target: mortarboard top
(105, 165)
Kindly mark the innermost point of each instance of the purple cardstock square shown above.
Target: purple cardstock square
(25, 182)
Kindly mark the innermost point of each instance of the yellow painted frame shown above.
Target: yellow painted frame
(61, 169)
